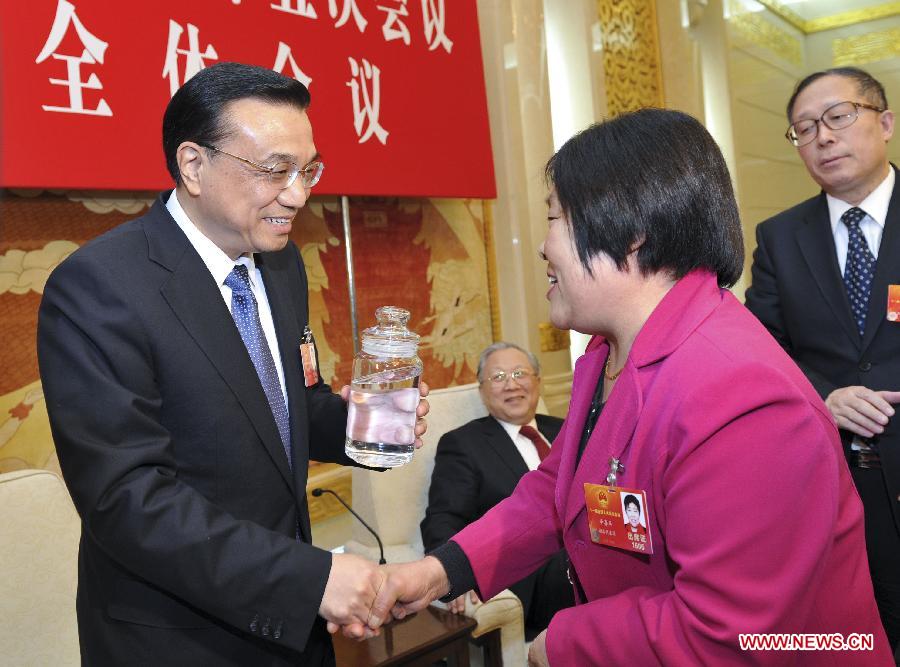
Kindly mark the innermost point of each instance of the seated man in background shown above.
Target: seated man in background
(479, 464)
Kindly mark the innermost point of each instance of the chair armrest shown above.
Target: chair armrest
(503, 611)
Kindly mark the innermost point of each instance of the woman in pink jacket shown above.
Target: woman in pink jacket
(684, 401)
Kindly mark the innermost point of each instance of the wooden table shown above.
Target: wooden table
(419, 640)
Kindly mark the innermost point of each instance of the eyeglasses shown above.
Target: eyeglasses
(520, 375)
(836, 117)
(283, 174)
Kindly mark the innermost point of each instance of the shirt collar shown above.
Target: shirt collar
(513, 429)
(875, 205)
(217, 262)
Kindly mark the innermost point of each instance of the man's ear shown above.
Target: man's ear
(191, 160)
(887, 124)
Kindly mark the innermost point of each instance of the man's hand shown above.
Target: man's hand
(352, 587)
(537, 653)
(421, 410)
(861, 410)
(407, 588)
(458, 605)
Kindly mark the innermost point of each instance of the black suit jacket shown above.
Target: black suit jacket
(171, 453)
(475, 467)
(798, 293)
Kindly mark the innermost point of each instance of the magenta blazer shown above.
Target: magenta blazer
(755, 521)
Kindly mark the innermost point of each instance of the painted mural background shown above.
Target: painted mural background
(425, 255)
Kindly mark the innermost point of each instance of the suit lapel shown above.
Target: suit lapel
(548, 427)
(197, 302)
(887, 268)
(816, 242)
(505, 448)
(289, 335)
(288, 332)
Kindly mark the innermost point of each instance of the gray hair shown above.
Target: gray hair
(503, 345)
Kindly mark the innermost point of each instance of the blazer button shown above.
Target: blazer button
(865, 366)
(254, 624)
(266, 628)
(276, 634)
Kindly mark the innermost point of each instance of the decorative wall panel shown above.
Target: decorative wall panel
(427, 255)
(759, 30)
(631, 63)
(867, 48)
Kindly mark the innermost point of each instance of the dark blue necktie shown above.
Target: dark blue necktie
(860, 268)
(246, 317)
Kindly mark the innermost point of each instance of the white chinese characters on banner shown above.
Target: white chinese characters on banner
(349, 8)
(365, 89)
(300, 8)
(194, 60)
(364, 84)
(285, 57)
(433, 18)
(394, 27)
(93, 53)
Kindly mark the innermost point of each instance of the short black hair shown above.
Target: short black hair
(867, 85)
(195, 111)
(655, 177)
(631, 499)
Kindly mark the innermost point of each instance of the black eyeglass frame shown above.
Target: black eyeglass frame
(792, 135)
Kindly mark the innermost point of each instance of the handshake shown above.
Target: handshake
(361, 596)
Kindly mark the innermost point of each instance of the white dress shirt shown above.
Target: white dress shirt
(220, 265)
(871, 226)
(524, 445)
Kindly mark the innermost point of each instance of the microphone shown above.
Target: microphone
(318, 492)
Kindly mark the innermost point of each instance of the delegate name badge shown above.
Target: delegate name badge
(893, 309)
(618, 517)
(308, 358)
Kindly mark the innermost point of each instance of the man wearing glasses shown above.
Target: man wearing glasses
(822, 273)
(169, 352)
(479, 464)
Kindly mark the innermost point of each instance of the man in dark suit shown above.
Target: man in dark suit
(169, 354)
(821, 276)
(479, 464)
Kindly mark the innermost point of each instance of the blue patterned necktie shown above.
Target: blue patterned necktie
(860, 268)
(246, 317)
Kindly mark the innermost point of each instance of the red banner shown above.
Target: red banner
(397, 86)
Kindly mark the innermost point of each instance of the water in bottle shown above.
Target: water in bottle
(384, 393)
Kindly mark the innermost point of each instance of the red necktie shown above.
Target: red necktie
(543, 449)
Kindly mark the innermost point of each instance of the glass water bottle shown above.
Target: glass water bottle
(384, 393)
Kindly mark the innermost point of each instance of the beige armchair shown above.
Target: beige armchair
(39, 533)
(394, 502)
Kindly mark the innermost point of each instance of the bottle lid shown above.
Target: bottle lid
(390, 337)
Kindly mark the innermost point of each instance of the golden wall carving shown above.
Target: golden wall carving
(492, 279)
(754, 27)
(868, 48)
(839, 20)
(553, 339)
(631, 61)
